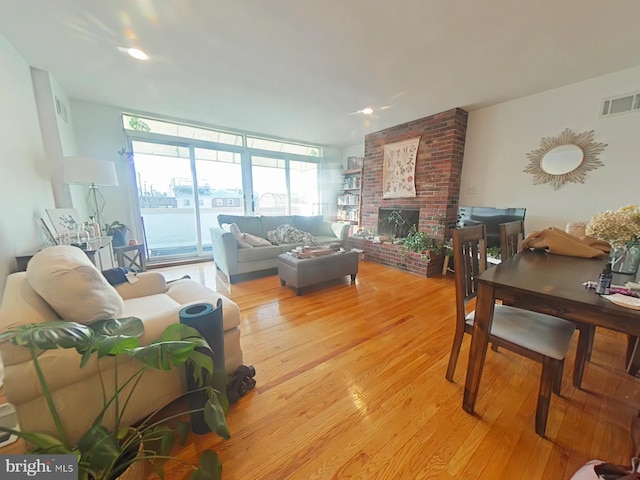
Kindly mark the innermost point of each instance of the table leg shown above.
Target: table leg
(479, 342)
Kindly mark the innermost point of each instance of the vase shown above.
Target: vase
(626, 259)
(119, 238)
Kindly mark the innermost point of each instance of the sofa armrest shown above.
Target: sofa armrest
(225, 250)
(341, 230)
(149, 283)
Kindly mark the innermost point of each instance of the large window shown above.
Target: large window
(186, 176)
(269, 186)
(167, 199)
(304, 188)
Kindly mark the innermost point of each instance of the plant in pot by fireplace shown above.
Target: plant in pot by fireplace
(110, 450)
(422, 243)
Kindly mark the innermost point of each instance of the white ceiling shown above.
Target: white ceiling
(297, 68)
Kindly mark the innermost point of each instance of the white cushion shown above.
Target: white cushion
(66, 279)
(233, 228)
(242, 244)
(246, 240)
(256, 241)
(540, 333)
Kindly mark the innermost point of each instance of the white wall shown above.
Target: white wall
(25, 187)
(56, 125)
(356, 150)
(499, 138)
(330, 181)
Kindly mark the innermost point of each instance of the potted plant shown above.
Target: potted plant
(104, 452)
(118, 231)
(424, 244)
(494, 252)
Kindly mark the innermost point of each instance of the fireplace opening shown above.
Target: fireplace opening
(398, 222)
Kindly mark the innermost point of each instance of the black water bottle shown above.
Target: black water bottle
(604, 281)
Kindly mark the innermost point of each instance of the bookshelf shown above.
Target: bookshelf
(350, 198)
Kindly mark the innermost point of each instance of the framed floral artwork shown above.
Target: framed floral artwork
(399, 169)
(63, 218)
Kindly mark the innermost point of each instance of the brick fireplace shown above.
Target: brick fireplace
(437, 181)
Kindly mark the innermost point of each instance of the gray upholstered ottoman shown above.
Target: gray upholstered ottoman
(303, 272)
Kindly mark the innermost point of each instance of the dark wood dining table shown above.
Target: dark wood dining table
(545, 283)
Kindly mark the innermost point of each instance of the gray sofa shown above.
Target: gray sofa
(239, 263)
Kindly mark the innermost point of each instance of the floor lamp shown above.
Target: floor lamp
(94, 173)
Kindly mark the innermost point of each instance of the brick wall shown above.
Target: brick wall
(437, 178)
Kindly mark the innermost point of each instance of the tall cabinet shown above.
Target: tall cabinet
(349, 200)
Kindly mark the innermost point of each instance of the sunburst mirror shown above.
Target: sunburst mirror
(565, 158)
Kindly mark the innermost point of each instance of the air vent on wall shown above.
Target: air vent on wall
(628, 103)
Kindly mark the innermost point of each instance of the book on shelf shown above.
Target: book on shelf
(349, 199)
(351, 183)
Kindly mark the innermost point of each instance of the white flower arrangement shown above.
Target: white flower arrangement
(620, 228)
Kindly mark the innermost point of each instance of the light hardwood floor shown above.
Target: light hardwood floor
(351, 384)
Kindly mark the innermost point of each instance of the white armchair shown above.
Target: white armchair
(61, 283)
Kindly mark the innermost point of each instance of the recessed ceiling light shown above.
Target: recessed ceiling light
(138, 54)
(367, 111)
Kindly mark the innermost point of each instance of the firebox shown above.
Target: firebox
(397, 222)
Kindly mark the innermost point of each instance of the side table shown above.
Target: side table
(131, 256)
(98, 250)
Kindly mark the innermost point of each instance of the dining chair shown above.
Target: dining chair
(511, 238)
(542, 338)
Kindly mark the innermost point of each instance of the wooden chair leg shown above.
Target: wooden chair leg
(633, 364)
(631, 346)
(557, 380)
(494, 347)
(635, 435)
(585, 343)
(455, 353)
(549, 367)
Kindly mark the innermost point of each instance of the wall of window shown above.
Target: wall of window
(186, 175)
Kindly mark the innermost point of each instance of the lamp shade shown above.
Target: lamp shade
(89, 171)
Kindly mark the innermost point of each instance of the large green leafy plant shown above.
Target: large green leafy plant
(422, 243)
(102, 450)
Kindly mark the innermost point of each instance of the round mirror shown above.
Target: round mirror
(562, 159)
(565, 158)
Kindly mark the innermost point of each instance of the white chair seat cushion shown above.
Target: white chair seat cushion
(547, 335)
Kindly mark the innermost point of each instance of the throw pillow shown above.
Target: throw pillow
(66, 279)
(256, 241)
(242, 244)
(233, 228)
(240, 239)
